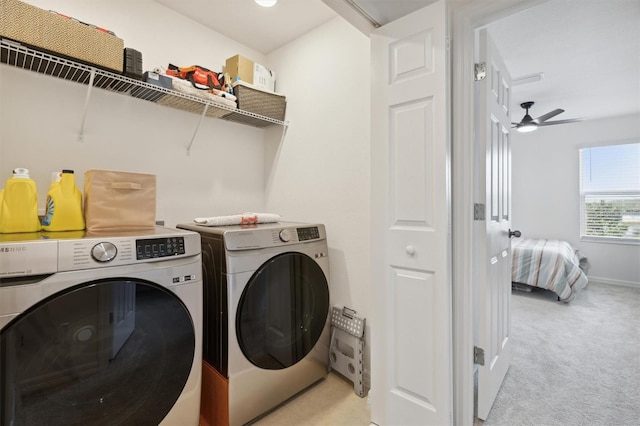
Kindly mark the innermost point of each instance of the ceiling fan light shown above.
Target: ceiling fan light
(527, 127)
(266, 3)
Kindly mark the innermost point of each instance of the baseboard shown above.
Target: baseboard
(609, 281)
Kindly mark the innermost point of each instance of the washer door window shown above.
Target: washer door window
(282, 311)
(104, 353)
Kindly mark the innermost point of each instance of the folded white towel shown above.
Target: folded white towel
(238, 219)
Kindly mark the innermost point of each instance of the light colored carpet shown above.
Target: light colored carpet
(575, 363)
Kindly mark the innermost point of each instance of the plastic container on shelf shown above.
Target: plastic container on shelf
(64, 205)
(19, 204)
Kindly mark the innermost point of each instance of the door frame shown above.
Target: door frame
(466, 20)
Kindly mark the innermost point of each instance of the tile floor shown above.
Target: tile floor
(330, 402)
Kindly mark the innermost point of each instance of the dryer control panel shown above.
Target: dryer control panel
(310, 233)
(272, 235)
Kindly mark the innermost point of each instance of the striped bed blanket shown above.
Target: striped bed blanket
(548, 264)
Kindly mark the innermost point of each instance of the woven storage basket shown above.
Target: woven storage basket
(263, 103)
(191, 106)
(51, 32)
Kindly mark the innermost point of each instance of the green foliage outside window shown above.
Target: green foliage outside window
(618, 218)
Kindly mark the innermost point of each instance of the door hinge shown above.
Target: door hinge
(478, 355)
(479, 71)
(478, 211)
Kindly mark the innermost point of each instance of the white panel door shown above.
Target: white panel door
(411, 323)
(494, 248)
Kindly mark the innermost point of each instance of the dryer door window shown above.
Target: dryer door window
(103, 353)
(282, 311)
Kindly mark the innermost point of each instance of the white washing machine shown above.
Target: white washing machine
(266, 316)
(100, 329)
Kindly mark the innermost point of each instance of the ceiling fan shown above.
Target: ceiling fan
(528, 124)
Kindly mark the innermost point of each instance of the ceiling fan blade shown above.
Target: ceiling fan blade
(570, 120)
(548, 115)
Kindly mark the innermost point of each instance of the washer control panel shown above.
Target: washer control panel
(159, 247)
(101, 251)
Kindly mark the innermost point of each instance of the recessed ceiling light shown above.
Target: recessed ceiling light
(266, 3)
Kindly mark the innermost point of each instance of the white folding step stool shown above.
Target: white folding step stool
(347, 346)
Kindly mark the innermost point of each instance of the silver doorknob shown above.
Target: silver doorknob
(410, 250)
(514, 234)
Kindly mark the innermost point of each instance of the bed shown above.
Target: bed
(548, 264)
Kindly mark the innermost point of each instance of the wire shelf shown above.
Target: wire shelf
(18, 55)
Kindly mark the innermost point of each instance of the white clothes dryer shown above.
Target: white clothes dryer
(266, 316)
(100, 329)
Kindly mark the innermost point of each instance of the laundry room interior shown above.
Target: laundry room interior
(316, 170)
(231, 168)
(312, 168)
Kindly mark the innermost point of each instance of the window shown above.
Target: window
(610, 193)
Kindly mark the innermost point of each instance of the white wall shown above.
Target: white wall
(546, 202)
(321, 171)
(40, 119)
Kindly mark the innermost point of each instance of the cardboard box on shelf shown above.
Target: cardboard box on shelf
(240, 67)
(250, 72)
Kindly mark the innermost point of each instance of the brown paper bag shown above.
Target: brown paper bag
(116, 200)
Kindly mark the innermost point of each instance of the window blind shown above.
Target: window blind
(610, 192)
